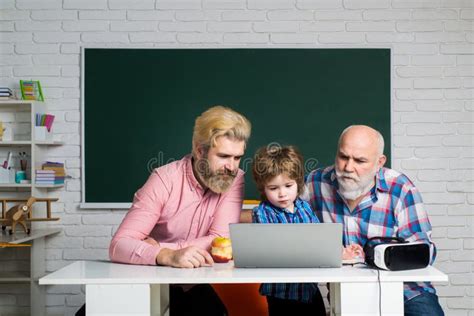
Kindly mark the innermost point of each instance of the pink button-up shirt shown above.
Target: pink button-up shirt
(174, 209)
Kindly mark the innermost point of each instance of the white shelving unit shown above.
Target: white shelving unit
(37, 150)
(37, 265)
(19, 115)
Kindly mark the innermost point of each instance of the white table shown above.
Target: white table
(120, 289)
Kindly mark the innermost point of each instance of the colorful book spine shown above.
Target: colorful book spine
(51, 173)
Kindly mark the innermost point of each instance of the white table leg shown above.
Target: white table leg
(37, 270)
(362, 299)
(335, 299)
(127, 299)
(160, 294)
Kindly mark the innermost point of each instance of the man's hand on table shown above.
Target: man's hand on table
(352, 251)
(189, 257)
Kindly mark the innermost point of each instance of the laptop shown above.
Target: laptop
(287, 245)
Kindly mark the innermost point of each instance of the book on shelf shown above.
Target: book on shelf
(6, 93)
(51, 173)
(6, 90)
(50, 182)
(41, 171)
(50, 178)
(57, 169)
(48, 165)
(54, 163)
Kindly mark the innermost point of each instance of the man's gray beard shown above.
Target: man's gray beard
(218, 182)
(357, 188)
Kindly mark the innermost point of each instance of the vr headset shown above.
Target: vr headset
(395, 254)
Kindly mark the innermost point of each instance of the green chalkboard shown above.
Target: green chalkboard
(140, 105)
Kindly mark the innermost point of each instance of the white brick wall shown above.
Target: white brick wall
(433, 58)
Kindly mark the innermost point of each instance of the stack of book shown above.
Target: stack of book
(51, 173)
(6, 93)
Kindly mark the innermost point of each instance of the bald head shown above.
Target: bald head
(365, 136)
(359, 156)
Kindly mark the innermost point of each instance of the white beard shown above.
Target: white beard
(355, 187)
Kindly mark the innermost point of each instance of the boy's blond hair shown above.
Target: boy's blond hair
(272, 161)
(219, 121)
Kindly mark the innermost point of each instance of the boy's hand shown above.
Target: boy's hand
(353, 251)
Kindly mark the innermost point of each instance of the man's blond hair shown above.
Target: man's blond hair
(219, 121)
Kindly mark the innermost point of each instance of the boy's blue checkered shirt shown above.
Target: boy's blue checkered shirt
(268, 213)
(393, 208)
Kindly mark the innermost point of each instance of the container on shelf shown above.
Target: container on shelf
(7, 175)
(42, 134)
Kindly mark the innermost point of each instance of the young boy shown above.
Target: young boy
(279, 175)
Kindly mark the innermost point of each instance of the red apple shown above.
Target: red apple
(221, 250)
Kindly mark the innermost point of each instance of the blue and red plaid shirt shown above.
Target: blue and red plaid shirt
(393, 208)
(268, 213)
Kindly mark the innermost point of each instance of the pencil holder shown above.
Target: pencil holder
(7, 175)
(42, 134)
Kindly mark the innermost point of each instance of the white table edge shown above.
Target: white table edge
(57, 277)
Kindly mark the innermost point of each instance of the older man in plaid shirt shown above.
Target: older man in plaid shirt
(372, 201)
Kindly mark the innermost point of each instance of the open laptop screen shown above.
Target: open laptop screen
(287, 245)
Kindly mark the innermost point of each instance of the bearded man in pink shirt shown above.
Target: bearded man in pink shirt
(185, 204)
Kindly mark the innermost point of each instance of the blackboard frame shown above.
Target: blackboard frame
(120, 205)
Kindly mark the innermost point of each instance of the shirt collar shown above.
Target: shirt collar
(380, 181)
(193, 182)
(331, 175)
(297, 202)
